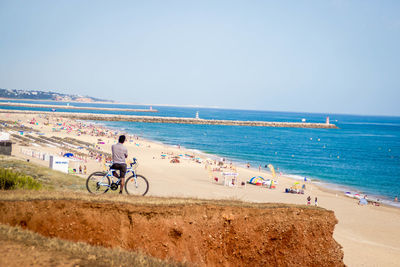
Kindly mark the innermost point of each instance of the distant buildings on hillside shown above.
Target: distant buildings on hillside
(42, 95)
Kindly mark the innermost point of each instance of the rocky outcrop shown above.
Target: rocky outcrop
(199, 234)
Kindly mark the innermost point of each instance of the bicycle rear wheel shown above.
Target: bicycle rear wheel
(98, 183)
(137, 186)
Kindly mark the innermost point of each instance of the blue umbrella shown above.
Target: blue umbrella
(68, 155)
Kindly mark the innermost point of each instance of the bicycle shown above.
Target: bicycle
(100, 182)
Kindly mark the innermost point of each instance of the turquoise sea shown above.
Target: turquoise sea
(363, 155)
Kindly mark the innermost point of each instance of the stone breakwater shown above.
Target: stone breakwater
(175, 120)
(28, 105)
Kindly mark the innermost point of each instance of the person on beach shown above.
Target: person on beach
(396, 199)
(119, 154)
(316, 201)
(308, 200)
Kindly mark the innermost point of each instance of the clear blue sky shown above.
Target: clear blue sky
(314, 56)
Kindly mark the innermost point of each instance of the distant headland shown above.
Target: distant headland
(68, 106)
(18, 94)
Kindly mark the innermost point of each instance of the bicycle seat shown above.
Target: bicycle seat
(109, 165)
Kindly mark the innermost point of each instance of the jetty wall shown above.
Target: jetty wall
(175, 120)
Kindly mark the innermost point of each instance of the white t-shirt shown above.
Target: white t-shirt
(119, 153)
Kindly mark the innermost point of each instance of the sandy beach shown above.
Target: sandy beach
(369, 234)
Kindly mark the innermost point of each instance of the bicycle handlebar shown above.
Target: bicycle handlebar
(134, 162)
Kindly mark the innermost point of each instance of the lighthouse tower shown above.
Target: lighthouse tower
(197, 115)
(327, 120)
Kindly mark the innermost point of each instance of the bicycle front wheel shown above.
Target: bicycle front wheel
(98, 183)
(137, 185)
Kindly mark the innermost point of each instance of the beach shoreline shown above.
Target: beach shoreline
(357, 227)
(333, 188)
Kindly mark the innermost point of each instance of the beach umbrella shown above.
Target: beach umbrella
(68, 155)
(257, 180)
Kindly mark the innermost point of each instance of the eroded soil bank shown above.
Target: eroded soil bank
(200, 234)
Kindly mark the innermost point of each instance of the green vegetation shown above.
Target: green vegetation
(50, 179)
(10, 180)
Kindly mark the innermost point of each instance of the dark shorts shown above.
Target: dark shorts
(121, 167)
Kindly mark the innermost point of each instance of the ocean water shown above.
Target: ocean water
(363, 155)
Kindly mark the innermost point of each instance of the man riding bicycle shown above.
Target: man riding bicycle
(119, 154)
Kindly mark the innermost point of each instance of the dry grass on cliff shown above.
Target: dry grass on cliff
(23, 195)
(87, 255)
